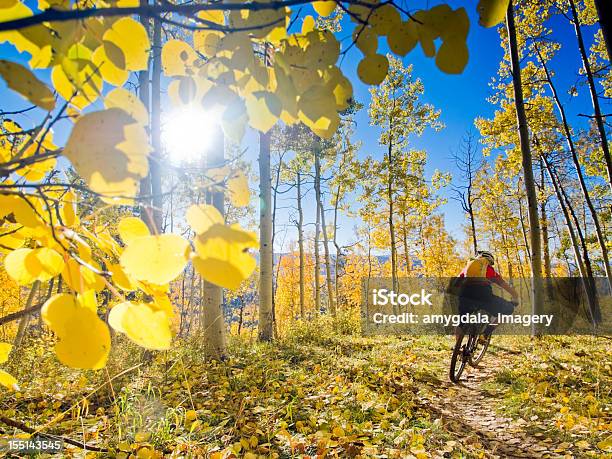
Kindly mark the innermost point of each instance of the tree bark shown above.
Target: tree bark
(390, 218)
(472, 220)
(301, 241)
(337, 246)
(328, 281)
(266, 260)
(594, 98)
(144, 93)
(545, 243)
(212, 301)
(317, 267)
(25, 319)
(532, 199)
(275, 278)
(405, 237)
(155, 163)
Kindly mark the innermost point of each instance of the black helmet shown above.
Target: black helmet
(486, 254)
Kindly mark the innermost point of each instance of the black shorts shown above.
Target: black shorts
(474, 297)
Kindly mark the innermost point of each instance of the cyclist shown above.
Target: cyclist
(475, 288)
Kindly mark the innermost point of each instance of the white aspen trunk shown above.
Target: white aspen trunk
(317, 267)
(266, 261)
(328, 281)
(212, 301)
(301, 241)
(532, 199)
(155, 163)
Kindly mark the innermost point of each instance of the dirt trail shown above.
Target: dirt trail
(469, 409)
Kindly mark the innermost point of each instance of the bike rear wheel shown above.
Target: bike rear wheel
(461, 356)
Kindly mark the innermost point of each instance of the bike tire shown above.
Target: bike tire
(479, 351)
(460, 357)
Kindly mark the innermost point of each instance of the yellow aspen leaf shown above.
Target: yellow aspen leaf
(115, 316)
(66, 78)
(458, 24)
(492, 12)
(385, 19)
(8, 380)
(308, 24)
(214, 16)
(8, 3)
(365, 39)
(130, 228)
(11, 241)
(146, 327)
(83, 338)
(279, 31)
(452, 56)
(222, 256)
(24, 211)
(317, 106)
(37, 171)
(403, 38)
(25, 266)
(326, 127)
(263, 108)
(235, 119)
(202, 216)
(321, 49)
(20, 79)
(343, 92)
(109, 150)
(80, 278)
(121, 279)
(68, 212)
(207, 41)
(114, 54)
(88, 299)
(131, 38)
(87, 343)
(155, 259)
(177, 58)
(324, 8)
(5, 350)
(238, 187)
(338, 432)
(373, 69)
(129, 103)
(426, 32)
(117, 76)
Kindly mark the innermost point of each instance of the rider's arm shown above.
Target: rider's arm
(496, 277)
(507, 287)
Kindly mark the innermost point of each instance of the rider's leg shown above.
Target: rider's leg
(498, 306)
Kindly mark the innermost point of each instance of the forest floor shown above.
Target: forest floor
(324, 392)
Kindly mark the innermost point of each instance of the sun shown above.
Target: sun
(188, 133)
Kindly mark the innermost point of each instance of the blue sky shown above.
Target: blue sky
(461, 98)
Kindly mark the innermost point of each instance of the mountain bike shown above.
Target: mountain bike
(471, 350)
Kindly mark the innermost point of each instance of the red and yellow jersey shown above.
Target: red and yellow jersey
(480, 269)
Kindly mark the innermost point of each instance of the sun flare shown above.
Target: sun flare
(188, 133)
